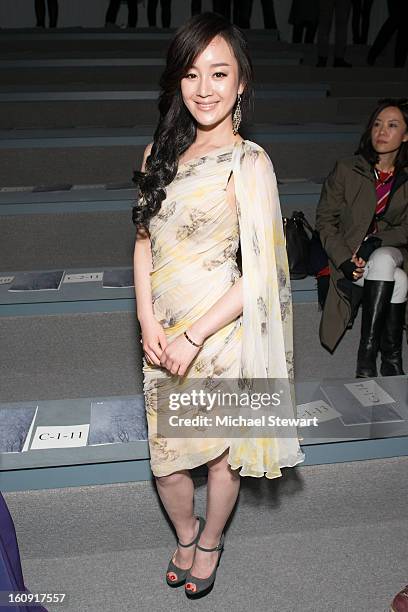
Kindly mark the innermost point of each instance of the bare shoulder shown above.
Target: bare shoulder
(146, 154)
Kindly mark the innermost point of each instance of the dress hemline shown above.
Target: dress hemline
(288, 462)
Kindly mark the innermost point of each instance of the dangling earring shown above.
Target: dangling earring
(237, 116)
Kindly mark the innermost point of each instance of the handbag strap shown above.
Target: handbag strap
(303, 219)
(299, 215)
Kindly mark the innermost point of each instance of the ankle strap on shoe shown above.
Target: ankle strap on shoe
(219, 546)
(201, 524)
(186, 545)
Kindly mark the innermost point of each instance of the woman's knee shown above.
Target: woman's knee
(383, 262)
(171, 479)
(401, 286)
(220, 465)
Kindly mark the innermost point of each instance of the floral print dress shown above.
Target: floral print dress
(194, 240)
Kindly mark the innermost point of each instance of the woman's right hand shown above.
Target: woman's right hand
(153, 340)
(360, 263)
(358, 273)
(350, 269)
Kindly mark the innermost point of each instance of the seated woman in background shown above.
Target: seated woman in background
(362, 220)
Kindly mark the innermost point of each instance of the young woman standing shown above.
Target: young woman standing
(203, 192)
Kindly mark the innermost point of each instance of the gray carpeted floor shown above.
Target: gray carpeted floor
(322, 538)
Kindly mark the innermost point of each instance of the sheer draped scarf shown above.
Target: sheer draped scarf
(267, 320)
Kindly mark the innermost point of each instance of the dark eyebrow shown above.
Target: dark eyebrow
(215, 65)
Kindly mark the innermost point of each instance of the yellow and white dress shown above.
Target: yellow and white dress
(194, 240)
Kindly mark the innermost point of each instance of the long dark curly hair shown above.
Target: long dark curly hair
(176, 129)
(366, 148)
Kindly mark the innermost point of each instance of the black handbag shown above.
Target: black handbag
(306, 255)
(297, 245)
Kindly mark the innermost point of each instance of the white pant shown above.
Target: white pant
(384, 265)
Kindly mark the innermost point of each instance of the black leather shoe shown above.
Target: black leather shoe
(376, 301)
(391, 341)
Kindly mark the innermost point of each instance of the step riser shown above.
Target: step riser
(114, 46)
(99, 354)
(77, 239)
(372, 90)
(67, 240)
(139, 76)
(60, 204)
(90, 165)
(123, 113)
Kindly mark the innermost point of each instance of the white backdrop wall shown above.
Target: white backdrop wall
(91, 14)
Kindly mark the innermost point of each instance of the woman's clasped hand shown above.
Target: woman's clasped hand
(153, 340)
(360, 265)
(174, 356)
(178, 355)
(353, 268)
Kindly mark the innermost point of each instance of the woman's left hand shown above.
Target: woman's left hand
(178, 355)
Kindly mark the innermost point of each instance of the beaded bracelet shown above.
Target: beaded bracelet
(191, 342)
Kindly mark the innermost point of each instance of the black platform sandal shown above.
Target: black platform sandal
(180, 574)
(202, 586)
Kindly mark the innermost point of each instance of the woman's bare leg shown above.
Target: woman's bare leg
(176, 491)
(222, 492)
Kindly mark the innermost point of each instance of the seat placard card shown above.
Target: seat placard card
(369, 393)
(83, 277)
(60, 436)
(319, 409)
(362, 403)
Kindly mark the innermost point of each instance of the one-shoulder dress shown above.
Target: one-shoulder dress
(194, 241)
